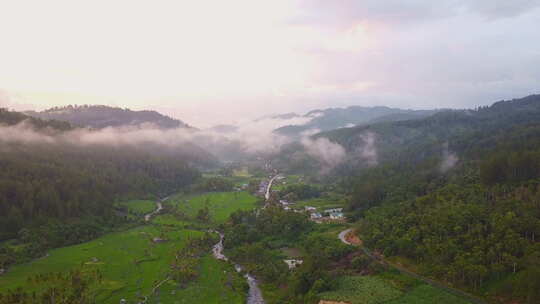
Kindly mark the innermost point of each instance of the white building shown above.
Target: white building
(293, 263)
(336, 215)
(333, 210)
(310, 209)
(316, 215)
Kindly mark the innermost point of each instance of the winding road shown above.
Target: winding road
(343, 236)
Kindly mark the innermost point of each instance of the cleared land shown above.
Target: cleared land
(217, 283)
(220, 204)
(138, 206)
(129, 261)
(377, 289)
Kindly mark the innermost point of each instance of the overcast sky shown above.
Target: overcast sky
(215, 61)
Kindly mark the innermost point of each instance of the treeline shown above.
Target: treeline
(38, 182)
(12, 118)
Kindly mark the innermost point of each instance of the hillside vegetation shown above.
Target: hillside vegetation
(98, 116)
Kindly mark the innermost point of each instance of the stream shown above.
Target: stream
(159, 207)
(254, 294)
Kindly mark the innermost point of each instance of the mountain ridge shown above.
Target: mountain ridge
(101, 116)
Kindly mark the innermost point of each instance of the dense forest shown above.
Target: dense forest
(474, 221)
(53, 194)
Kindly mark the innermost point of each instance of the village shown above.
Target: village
(315, 215)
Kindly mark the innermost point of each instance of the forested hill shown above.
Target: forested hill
(59, 184)
(334, 118)
(457, 198)
(459, 131)
(10, 118)
(99, 116)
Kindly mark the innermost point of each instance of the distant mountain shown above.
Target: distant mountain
(464, 132)
(99, 116)
(335, 118)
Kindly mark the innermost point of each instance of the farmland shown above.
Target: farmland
(380, 289)
(139, 207)
(220, 204)
(131, 262)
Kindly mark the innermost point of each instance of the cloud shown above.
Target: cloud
(295, 55)
(367, 150)
(254, 138)
(328, 153)
(344, 14)
(449, 159)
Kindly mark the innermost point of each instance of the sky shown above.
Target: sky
(211, 62)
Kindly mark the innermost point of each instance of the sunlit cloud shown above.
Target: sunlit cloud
(208, 62)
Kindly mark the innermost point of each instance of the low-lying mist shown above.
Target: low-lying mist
(253, 139)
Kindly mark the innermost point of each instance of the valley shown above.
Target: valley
(135, 265)
(437, 209)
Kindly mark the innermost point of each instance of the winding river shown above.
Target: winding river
(254, 294)
(159, 207)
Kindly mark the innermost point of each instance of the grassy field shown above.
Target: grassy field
(378, 289)
(217, 283)
(130, 262)
(425, 294)
(362, 290)
(138, 206)
(221, 204)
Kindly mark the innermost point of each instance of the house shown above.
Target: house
(336, 215)
(286, 208)
(334, 210)
(158, 240)
(293, 263)
(315, 215)
(310, 209)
